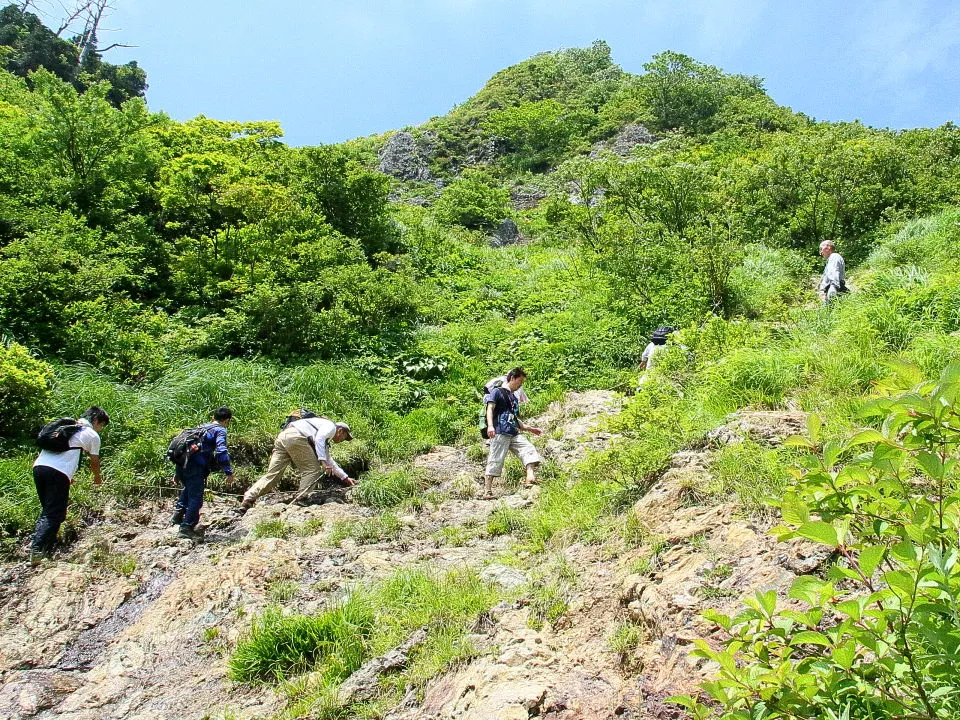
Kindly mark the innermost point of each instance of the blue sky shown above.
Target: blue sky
(329, 71)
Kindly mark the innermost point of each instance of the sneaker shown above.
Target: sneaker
(190, 533)
(242, 508)
(177, 517)
(37, 557)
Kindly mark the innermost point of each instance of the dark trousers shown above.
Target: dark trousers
(53, 489)
(193, 477)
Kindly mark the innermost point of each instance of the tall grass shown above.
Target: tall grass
(388, 489)
(333, 643)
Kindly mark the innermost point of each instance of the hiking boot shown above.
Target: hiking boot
(242, 508)
(37, 557)
(190, 533)
(177, 517)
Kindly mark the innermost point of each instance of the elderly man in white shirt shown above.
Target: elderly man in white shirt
(833, 280)
(305, 443)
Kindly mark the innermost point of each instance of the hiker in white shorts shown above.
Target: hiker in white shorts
(503, 429)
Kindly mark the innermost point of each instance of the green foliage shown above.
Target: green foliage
(272, 529)
(351, 199)
(538, 133)
(380, 528)
(683, 93)
(884, 621)
(19, 506)
(475, 200)
(754, 474)
(24, 389)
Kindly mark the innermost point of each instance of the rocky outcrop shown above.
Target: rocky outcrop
(526, 197)
(506, 233)
(489, 150)
(624, 142)
(407, 157)
(629, 137)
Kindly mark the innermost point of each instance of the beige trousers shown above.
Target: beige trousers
(289, 447)
(501, 445)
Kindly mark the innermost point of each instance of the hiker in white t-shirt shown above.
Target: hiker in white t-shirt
(305, 443)
(53, 474)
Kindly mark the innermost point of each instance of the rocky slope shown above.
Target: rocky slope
(135, 623)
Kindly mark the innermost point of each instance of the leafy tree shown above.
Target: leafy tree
(683, 93)
(101, 153)
(539, 133)
(353, 200)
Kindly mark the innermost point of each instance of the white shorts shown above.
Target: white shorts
(501, 444)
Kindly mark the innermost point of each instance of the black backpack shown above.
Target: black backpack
(300, 414)
(660, 335)
(186, 444)
(55, 436)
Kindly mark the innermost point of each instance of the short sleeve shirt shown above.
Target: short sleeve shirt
(506, 409)
(67, 462)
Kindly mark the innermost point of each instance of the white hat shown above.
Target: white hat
(344, 426)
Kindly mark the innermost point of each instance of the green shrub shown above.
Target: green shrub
(373, 620)
(767, 282)
(25, 384)
(381, 528)
(19, 505)
(475, 200)
(874, 637)
(508, 521)
(272, 529)
(760, 376)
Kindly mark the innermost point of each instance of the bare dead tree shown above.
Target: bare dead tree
(71, 16)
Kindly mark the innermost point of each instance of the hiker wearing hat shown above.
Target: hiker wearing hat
(834, 279)
(658, 338)
(306, 444)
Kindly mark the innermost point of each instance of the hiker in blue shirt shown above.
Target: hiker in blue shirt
(503, 429)
(213, 455)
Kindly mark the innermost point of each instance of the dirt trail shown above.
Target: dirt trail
(79, 640)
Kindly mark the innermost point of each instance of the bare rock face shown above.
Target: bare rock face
(504, 576)
(407, 157)
(36, 690)
(492, 148)
(770, 427)
(631, 136)
(526, 197)
(623, 144)
(507, 233)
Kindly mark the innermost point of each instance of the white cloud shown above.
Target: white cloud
(897, 41)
